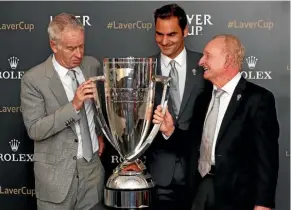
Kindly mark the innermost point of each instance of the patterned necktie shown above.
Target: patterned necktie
(174, 89)
(208, 135)
(84, 127)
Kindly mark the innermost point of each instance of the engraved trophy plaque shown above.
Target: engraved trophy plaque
(129, 85)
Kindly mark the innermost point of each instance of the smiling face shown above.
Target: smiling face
(213, 60)
(69, 49)
(170, 37)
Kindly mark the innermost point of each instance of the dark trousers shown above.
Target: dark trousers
(205, 196)
(172, 197)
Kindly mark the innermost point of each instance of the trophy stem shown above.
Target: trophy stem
(137, 166)
(143, 147)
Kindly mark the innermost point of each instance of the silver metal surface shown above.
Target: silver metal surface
(129, 85)
(130, 180)
(134, 199)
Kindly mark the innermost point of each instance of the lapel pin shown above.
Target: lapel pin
(194, 71)
(238, 97)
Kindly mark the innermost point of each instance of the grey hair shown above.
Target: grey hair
(233, 46)
(60, 22)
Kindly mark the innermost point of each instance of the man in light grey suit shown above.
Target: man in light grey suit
(59, 116)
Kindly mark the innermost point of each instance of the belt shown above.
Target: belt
(212, 170)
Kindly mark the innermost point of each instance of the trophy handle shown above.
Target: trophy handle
(101, 119)
(165, 96)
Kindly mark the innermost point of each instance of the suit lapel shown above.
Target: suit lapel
(203, 102)
(232, 107)
(56, 85)
(191, 63)
(86, 71)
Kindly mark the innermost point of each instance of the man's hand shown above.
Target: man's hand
(167, 126)
(261, 208)
(101, 145)
(85, 91)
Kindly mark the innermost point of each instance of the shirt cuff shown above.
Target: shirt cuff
(77, 111)
(166, 137)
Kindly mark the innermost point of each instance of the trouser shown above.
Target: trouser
(86, 189)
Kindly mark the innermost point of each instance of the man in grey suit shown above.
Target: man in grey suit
(59, 116)
(166, 160)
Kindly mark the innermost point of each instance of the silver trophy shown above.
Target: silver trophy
(129, 85)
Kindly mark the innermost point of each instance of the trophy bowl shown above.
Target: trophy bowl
(129, 85)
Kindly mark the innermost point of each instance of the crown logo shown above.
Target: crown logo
(251, 61)
(14, 144)
(13, 61)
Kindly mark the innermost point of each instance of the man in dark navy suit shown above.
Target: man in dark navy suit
(166, 160)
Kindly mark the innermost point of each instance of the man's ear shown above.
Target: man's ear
(228, 61)
(186, 30)
(53, 46)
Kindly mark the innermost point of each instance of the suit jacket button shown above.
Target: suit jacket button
(76, 140)
(75, 158)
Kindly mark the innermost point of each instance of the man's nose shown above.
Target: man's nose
(78, 53)
(164, 40)
(201, 61)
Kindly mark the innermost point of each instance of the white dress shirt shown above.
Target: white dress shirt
(224, 101)
(181, 68)
(67, 84)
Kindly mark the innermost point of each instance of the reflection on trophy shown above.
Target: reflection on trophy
(129, 93)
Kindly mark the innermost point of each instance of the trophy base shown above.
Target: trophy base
(129, 190)
(128, 199)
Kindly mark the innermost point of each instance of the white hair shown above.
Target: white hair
(61, 22)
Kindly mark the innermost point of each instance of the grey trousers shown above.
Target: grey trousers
(86, 189)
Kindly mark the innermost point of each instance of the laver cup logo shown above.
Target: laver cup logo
(85, 19)
(260, 24)
(12, 72)
(10, 109)
(17, 191)
(20, 26)
(197, 23)
(125, 25)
